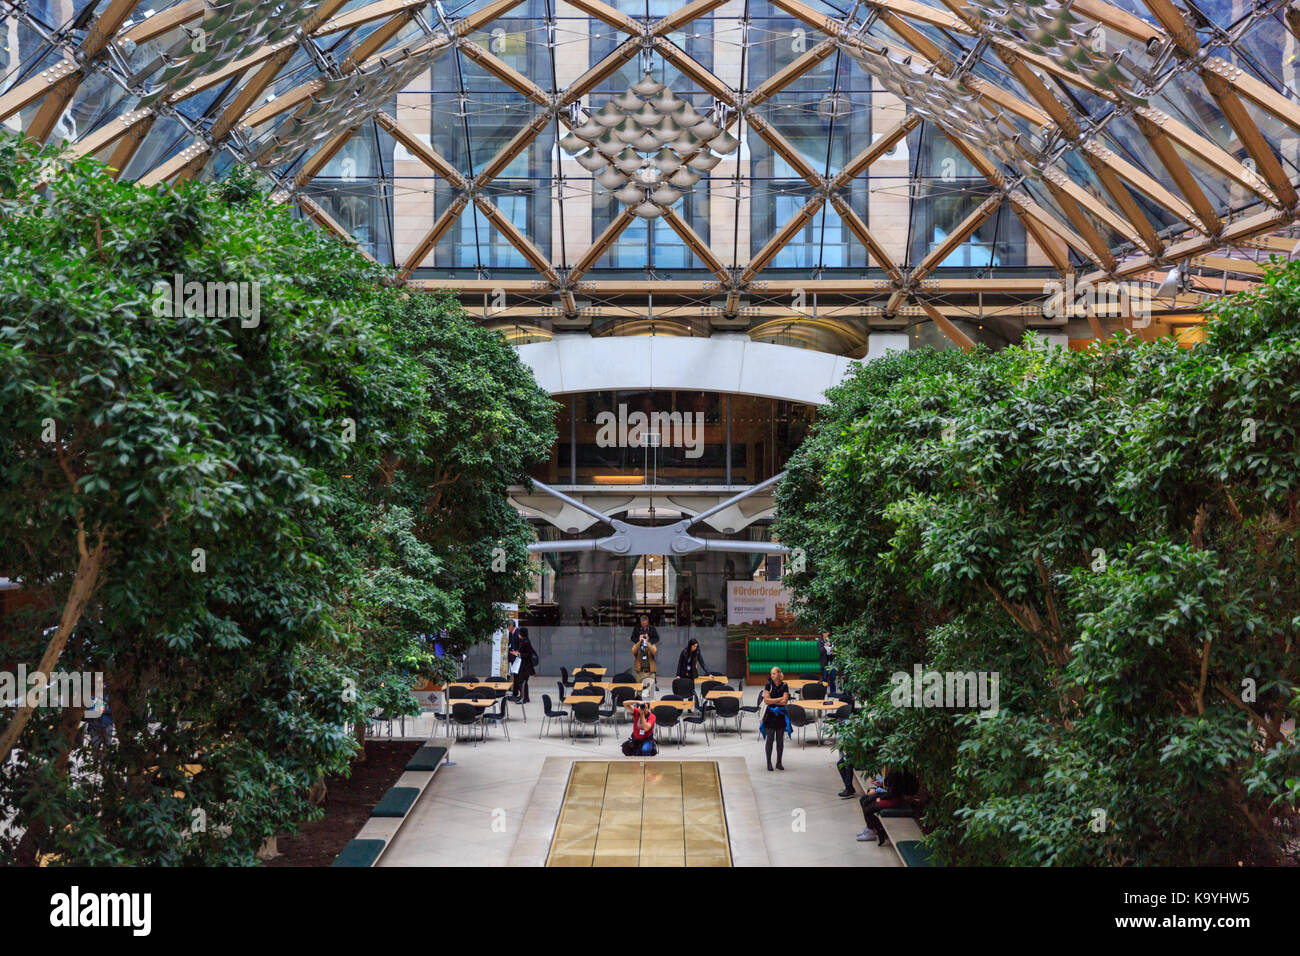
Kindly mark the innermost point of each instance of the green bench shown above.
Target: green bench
(914, 853)
(792, 656)
(427, 758)
(397, 802)
(359, 853)
(896, 813)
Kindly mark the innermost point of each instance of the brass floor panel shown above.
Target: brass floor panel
(643, 813)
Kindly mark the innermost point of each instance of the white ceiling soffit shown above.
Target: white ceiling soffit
(719, 363)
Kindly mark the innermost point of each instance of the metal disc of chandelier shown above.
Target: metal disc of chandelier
(648, 146)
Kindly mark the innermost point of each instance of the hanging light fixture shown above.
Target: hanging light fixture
(647, 146)
(1050, 29)
(949, 104)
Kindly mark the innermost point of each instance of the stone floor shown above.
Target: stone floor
(474, 810)
(641, 813)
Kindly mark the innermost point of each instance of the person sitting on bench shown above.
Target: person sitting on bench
(889, 792)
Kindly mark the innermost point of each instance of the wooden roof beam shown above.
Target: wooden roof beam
(697, 245)
(1164, 149)
(62, 90)
(526, 248)
(958, 337)
(608, 236)
(955, 238)
(780, 239)
(432, 238)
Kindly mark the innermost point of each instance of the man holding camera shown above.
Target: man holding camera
(645, 646)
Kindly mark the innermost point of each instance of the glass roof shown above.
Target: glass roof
(907, 148)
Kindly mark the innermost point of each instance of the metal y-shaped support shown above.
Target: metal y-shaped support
(675, 538)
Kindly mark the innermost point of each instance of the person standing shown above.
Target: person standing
(645, 646)
(527, 657)
(826, 654)
(691, 661)
(775, 724)
(512, 645)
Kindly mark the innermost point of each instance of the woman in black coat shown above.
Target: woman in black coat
(527, 665)
(691, 662)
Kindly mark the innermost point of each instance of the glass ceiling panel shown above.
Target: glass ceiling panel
(699, 156)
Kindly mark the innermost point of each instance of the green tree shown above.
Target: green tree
(1114, 533)
(204, 501)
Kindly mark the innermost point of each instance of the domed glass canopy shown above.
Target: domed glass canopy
(758, 164)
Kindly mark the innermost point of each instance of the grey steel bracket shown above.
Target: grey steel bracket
(676, 538)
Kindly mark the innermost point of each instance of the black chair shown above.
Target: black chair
(756, 707)
(610, 712)
(727, 708)
(564, 678)
(497, 694)
(591, 664)
(799, 719)
(470, 679)
(496, 720)
(708, 685)
(586, 713)
(549, 713)
(618, 696)
(503, 696)
(672, 697)
(626, 677)
(684, 686)
(466, 715)
(813, 692)
(706, 688)
(559, 687)
(698, 720)
(461, 693)
(581, 675)
(840, 715)
(668, 718)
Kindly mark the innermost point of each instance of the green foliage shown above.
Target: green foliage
(1115, 533)
(267, 577)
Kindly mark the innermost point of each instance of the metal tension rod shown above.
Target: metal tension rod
(675, 538)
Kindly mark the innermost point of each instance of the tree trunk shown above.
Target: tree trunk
(27, 848)
(83, 585)
(359, 731)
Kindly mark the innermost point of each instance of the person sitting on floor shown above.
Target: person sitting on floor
(642, 742)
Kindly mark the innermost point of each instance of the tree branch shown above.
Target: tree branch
(83, 585)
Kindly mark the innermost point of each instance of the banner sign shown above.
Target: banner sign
(758, 602)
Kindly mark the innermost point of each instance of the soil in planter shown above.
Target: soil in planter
(348, 802)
